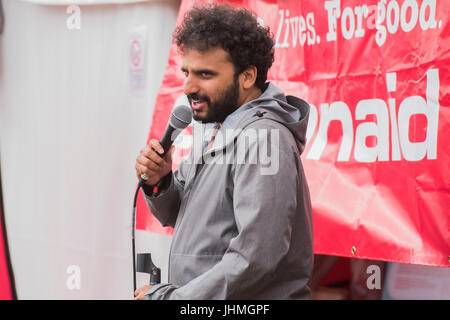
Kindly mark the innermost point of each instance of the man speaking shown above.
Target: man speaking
(240, 231)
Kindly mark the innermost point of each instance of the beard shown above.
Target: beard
(225, 105)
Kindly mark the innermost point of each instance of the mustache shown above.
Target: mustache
(196, 96)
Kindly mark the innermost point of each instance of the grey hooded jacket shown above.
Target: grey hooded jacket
(242, 221)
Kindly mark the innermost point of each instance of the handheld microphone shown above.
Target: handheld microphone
(180, 118)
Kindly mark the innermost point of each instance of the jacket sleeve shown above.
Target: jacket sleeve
(265, 207)
(166, 204)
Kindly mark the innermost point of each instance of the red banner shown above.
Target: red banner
(376, 74)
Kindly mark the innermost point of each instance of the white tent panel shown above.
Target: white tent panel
(71, 126)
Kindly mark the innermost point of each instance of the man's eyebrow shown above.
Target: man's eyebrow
(200, 71)
(208, 71)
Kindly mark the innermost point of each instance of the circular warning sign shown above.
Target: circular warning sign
(136, 53)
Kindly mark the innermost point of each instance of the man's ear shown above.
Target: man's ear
(248, 77)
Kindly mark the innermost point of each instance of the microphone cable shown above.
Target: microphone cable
(133, 225)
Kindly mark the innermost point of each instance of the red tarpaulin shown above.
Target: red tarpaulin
(376, 74)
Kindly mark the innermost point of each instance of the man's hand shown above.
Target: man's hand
(149, 161)
(140, 293)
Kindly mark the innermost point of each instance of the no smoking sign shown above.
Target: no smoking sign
(136, 56)
(136, 53)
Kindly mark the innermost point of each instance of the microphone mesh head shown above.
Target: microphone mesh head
(181, 117)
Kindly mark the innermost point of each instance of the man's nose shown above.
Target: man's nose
(190, 86)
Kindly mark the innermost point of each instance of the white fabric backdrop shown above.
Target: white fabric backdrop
(71, 127)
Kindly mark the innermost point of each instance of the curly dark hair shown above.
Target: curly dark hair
(234, 30)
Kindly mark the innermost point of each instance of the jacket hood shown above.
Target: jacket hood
(290, 111)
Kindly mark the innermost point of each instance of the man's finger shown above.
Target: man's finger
(149, 163)
(156, 159)
(144, 161)
(157, 146)
(149, 171)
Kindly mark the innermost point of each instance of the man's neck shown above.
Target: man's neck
(250, 95)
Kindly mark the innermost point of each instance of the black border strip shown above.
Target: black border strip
(5, 241)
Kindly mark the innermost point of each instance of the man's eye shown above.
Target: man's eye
(205, 74)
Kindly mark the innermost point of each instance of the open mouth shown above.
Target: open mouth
(198, 104)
